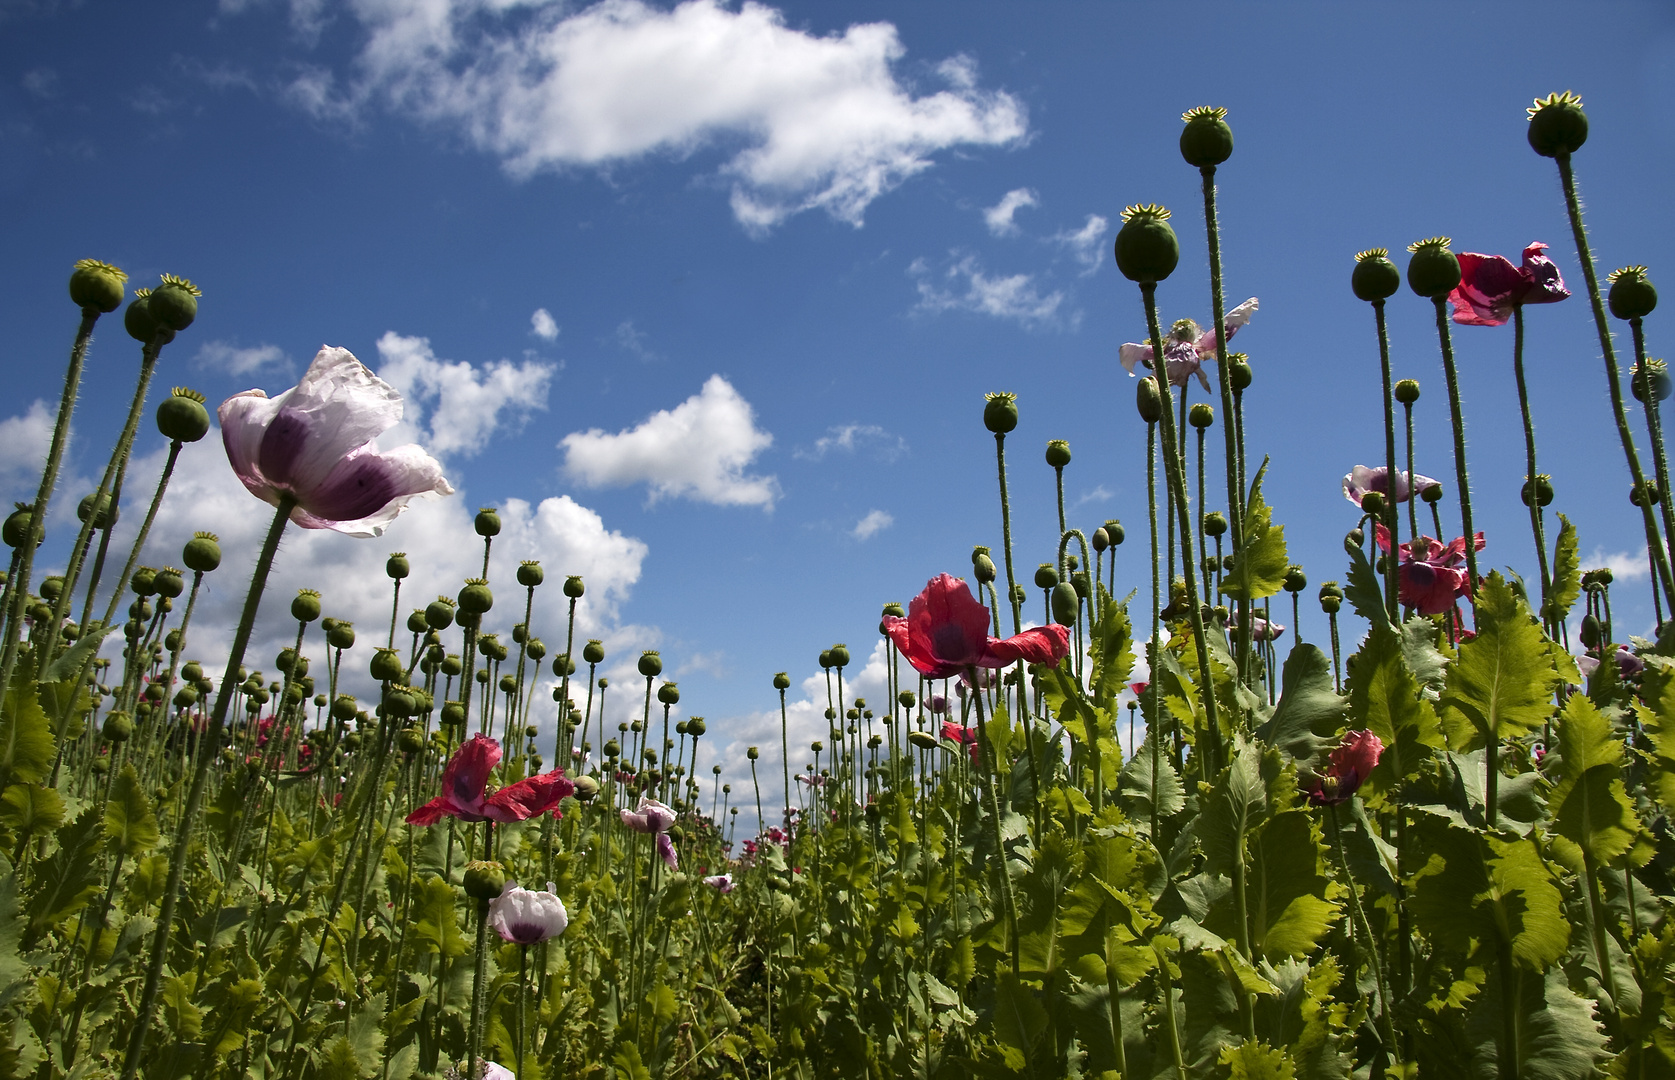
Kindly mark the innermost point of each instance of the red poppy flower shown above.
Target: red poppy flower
(1430, 575)
(946, 632)
(466, 776)
(1490, 286)
(958, 733)
(1351, 763)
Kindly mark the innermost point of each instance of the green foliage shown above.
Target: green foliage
(1309, 715)
(1592, 815)
(1503, 681)
(26, 744)
(130, 826)
(1567, 573)
(1260, 568)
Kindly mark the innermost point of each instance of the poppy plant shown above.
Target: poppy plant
(465, 778)
(946, 633)
(655, 818)
(1350, 764)
(1430, 575)
(317, 444)
(1186, 347)
(962, 736)
(1490, 286)
(1360, 480)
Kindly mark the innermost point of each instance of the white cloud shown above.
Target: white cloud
(999, 216)
(697, 450)
(633, 341)
(1627, 565)
(541, 324)
(24, 441)
(851, 437)
(876, 521)
(812, 122)
(228, 357)
(1099, 494)
(466, 401)
(1087, 243)
(965, 287)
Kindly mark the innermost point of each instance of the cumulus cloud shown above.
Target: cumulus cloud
(1629, 565)
(999, 216)
(466, 402)
(1087, 243)
(876, 521)
(810, 122)
(228, 357)
(848, 438)
(541, 324)
(698, 450)
(24, 441)
(964, 286)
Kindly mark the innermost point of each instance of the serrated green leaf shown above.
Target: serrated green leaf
(130, 826)
(1385, 699)
(31, 809)
(434, 917)
(70, 878)
(1257, 1061)
(1235, 804)
(1567, 573)
(1288, 887)
(1364, 592)
(1149, 778)
(1476, 888)
(1592, 813)
(1504, 679)
(1259, 569)
(1112, 650)
(1656, 712)
(1309, 715)
(627, 1062)
(26, 744)
(1558, 1037)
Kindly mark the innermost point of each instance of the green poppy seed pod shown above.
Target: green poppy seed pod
(439, 615)
(1543, 485)
(668, 694)
(1330, 604)
(564, 666)
(573, 587)
(400, 704)
(983, 568)
(650, 664)
(1113, 529)
(536, 648)
(416, 623)
(341, 636)
(1354, 538)
(174, 303)
(286, 658)
(490, 646)
(840, 656)
(192, 671)
(118, 727)
(96, 285)
(852, 714)
(1644, 493)
(782, 681)
(1100, 540)
(1082, 584)
(1558, 126)
(484, 880)
(696, 727)
(1592, 633)
(396, 566)
(1146, 247)
(508, 683)
(476, 598)
(172, 641)
(1148, 400)
(17, 525)
(143, 582)
(452, 666)
(1066, 604)
(1604, 575)
(1295, 580)
(1046, 576)
(530, 573)
(924, 740)
(1206, 141)
(411, 740)
(107, 514)
(894, 609)
(1632, 295)
(750, 753)
(453, 714)
(1434, 271)
(182, 417)
(168, 583)
(1375, 277)
(1432, 494)
(321, 701)
(1215, 524)
(202, 553)
(831, 713)
(386, 665)
(613, 749)
(1407, 391)
(185, 697)
(487, 522)
(1239, 374)
(1201, 416)
(1373, 503)
(1058, 453)
(141, 325)
(1000, 412)
(306, 606)
(587, 789)
(1650, 379)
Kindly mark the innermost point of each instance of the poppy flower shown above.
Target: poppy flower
(1361, 479)
(1186, 347)
(1263, 630)
(1490, 286)
(317, 443)
(1430, 575)
(723, 882)
(1351, 763)
(1628, 665)
(527, 916)
(653, 817)
(962, 735)
(946, 632)
(467, 774)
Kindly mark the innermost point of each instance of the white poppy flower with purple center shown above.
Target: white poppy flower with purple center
(527, 916)
(1186, 347)
(317, 443)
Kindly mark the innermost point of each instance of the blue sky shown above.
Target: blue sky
(716, 291)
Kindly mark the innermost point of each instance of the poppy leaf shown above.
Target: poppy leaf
(1557, 1032)
(1149, 778)
(26, 744)
(1567, 573)
(1592, 814)
(1504, 679)
(1289, 895)
(1112, 649)
(130, 826)
(1310, 712)
(1384, 696)
(1260, 565)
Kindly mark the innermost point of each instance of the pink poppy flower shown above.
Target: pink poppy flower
(1628, 665)
(1263, 630)
(961, 735)
(467, 774)
(1361, 479)
(946, 632)
(1186, 347)
(1138, 688)
(1351, 763)
(317, 443)
(527, 916)
(723, 882)
(1490, 286)
(1430, 575)
(651, 816)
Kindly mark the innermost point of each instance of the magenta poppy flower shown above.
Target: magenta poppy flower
(316, 442)
(527, 916)
(1350, 764)
(1186, 347)
(1430, 575)
(946, 633)
(467, 774)
(1361, 479)
(1490, 286)
(961, 735)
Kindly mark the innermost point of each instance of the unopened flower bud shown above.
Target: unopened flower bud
(1372, 503)
(1065, 603)
(1644, 493)
(1431, 494)
(1543, 485)
(1148, 400)
(1407, 391)
(1558, 126)
(1100, 540)
(1113, 529)
(1146, 247)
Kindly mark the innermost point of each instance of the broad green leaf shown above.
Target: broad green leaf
(1567, 573)
(1112, 650)
(26, 743)
(1385, 699)
(1503, 681)
(1657, 715)
(69, 879)
(1018, 1017)
(1472, 888)
(1309, 715)
(1257, 1061)
(233, 1008)
(1364, 592)
(1288, 890)
(628, 1065)
(1148, 779)
(13, 970)
(1234, 805)
(30, 809)
(1259, 569)
(1592, 813)
(1558, 1037)
(130, 826)
(1113, 890)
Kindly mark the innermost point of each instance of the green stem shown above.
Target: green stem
(1459, 421)
(1529, 460)
(1009, 902)
(1392, 514)
(474, 1038)
(1654, 429)
(1006, 532)
(1364, 931)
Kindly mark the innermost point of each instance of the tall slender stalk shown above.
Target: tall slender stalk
(1459, 422)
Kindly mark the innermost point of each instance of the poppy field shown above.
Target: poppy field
(1110, 820)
